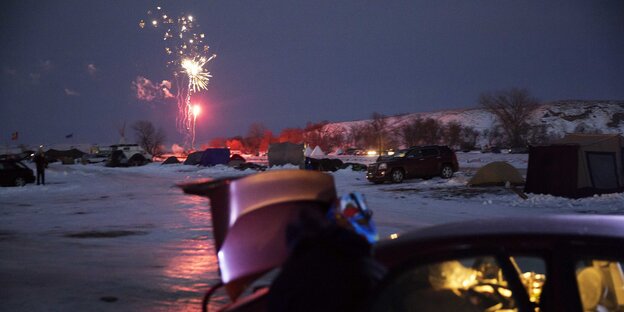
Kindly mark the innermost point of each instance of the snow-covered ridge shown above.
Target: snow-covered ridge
(559, 117)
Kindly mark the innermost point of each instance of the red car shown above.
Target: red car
(415, 162)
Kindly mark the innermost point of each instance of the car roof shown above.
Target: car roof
(426, 146)
(597, 225)
(511, 231)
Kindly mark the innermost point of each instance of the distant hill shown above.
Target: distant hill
(559, 117)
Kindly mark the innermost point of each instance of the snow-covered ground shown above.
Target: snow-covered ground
(126, 239)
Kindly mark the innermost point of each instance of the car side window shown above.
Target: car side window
(532, 272)
(414, 153)
(467, 284)
(600, 285)
(429, 152)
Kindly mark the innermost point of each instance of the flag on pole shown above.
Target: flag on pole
(14, 136)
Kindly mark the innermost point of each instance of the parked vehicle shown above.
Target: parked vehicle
(511, 264)
(124, 155)
(15, 173)
(415, 162)
(545, 263)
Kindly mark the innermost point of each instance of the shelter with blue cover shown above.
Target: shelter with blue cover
(215, 156)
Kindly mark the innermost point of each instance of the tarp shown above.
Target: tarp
(193, 158)
(215, 156)
(496, 173)
(317, 152)
(578, 165)
(286, 153)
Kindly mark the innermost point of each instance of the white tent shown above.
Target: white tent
(317, 152)
(307, 152)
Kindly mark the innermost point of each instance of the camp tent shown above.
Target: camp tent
(307, 151)
(193, 158)
(317, 152)
(579, 165)
(65, 156)
(215, 156)
(236, 160)
(171, 160)
(496, 173)
(286, 153)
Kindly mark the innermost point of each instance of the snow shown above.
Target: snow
(107, 239)
(559, 118)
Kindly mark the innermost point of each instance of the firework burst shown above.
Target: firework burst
(189, 57)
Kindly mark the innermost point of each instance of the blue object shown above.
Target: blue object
(352, 212)
(215, 156)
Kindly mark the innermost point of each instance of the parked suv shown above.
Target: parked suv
(414, 162)
(15, 173)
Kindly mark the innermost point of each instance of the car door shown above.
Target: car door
(430, 161)
(479, 282)
(413, 166)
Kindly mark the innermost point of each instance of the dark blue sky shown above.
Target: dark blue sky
(283, 63)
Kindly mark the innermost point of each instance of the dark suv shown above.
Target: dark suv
(414, 162)
(15, 173)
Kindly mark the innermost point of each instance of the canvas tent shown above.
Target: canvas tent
(215, 156)
(579, 165)
(496, 173)
(286, 153)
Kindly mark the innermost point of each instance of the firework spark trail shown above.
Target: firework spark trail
(189, 52)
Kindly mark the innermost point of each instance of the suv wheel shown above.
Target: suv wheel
(397, 175)
(20, 182)
(446, 172)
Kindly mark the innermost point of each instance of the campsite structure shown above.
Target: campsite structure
(579, 165)
(286, 153)
(496, 173)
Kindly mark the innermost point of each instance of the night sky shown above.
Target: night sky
(67, 67)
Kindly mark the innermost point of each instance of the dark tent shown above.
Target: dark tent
(193, 158)
(286, 153)
(236, 160)
(171, 160)
(215, 156)
(54, 155)
(116, 159)
(325, 164)
(578, 165)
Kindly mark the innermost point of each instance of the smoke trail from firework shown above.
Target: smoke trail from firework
(189, 56)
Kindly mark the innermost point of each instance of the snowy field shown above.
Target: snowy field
(126, 239)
